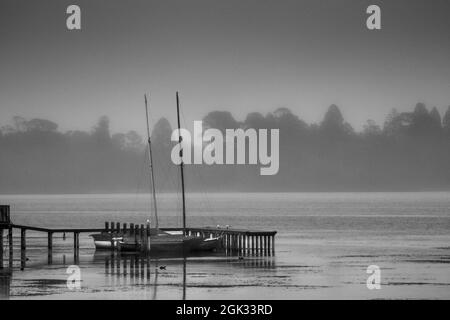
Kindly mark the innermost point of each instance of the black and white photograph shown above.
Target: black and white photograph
(224, 150)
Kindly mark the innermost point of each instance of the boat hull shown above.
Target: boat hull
(208, 244)
(105, 241)
(159, 242)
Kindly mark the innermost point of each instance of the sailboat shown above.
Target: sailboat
(205, 244)
(159, 240)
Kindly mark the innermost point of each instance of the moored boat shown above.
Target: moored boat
(105, 241)
(208, 244)
(158, 240)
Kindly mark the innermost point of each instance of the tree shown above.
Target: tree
(446, 122)
(41, 125)
(162, 131)
(371, 129)
(397, 124)
(425, 124)
(19, 124)
(436, 117)
(221, 120)
(333, 124)
(436, 121)
(133, 141)
(255, 120)
(101, 131)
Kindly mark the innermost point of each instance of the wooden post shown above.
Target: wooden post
(106, 226)
(11, 245)
(273, 244)
(131, 230)
(246, 243)
(268, 245)
(4, 214)
(23, 239)
(49, 241)
(263, 244)
(11, 248)
(253, 244)
(142, 241)
(147, 236)
(136, 236)
(1, 248)
(124, 229)
(222, 242)
(50, 248)
(76, 241)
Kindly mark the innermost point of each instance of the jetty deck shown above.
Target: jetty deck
(233, 240)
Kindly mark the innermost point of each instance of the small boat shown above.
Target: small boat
(103, 241)
(161, 242)
(208, 244)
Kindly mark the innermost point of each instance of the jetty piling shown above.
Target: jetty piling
(11, 246)
(1, 248)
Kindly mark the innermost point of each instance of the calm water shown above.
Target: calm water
(325, 243)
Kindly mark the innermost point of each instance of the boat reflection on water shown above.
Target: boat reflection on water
(173, 273)
(134, 269)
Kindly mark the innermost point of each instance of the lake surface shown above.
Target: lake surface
(324, 244)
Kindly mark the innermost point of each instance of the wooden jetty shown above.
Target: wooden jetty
(233, 241)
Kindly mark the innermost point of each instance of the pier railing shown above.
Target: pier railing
(241, 241)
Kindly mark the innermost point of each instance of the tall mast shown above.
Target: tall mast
(151, 164)
(180, 139)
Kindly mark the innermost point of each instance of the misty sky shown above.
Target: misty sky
(236, 55)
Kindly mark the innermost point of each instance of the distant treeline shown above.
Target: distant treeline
(410, 151)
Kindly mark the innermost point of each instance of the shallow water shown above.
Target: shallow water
(324, 244)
